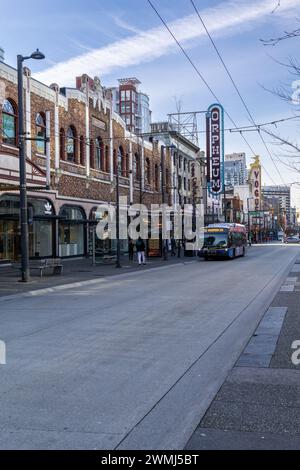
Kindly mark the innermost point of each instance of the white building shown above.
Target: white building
(235, 168)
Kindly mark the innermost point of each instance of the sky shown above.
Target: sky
(125, 38)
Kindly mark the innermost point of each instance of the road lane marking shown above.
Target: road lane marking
(289, 288)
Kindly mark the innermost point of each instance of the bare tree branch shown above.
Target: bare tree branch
(275, 41)
(277, 6)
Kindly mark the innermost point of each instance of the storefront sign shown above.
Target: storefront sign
(215, 148)
(100, 124)
(255, 179)
(48, 208)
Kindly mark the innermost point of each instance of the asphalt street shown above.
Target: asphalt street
(132, 361)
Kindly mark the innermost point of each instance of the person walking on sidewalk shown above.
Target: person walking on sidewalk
(140, 248)
(173, 246)
(131, 249)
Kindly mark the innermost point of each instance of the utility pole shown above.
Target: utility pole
(164, 247)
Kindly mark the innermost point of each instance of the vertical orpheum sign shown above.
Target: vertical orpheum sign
(215, 148)
(255, 179)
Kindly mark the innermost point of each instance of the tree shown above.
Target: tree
(291, 149)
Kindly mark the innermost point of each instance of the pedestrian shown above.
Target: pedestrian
(173, 246)
(131, 249)
(140, 248)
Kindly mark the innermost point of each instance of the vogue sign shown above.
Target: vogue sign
(255, 178)
(215, 148)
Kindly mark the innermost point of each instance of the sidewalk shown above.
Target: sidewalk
(258, 406)
(76, 270)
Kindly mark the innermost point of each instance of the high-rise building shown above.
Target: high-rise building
(283, 195)
(132, 105)
(235, 168)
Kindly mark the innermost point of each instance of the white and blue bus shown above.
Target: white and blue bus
(224, 240)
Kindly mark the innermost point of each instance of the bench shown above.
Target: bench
(55, 264)
(104, 258)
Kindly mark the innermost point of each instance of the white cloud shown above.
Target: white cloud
(157, 42)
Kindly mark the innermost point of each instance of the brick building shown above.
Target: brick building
(87, 141)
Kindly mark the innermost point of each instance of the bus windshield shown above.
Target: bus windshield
(216, 239)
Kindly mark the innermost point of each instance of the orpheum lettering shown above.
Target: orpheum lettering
(215, 142)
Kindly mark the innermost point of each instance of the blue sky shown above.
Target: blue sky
(120, 38)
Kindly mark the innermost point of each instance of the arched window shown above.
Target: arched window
(92, 154)
(40, 123)
(99, 154)
(115, 162)
(82, 151)
(71, 144)
(156, 177)
(107, 165)
(148, 171)
(122, 162)
(9, 122)
(136, 167)
(127, 165)
(167, 182)
(62, 144)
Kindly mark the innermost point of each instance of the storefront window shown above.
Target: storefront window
(71, 231)
(41, 224)
(40, 239)
(107, 245)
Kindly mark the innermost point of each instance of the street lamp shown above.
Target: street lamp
(25, 273)
(248, 210)
(162, 164)
(118, 261)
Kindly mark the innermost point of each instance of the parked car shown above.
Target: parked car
(292, 240)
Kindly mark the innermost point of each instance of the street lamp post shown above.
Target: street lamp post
(118, 261)
(25, 272)
(248, 211)
(162, 165)
(163, 194)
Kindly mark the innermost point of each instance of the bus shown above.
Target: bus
(224, 240)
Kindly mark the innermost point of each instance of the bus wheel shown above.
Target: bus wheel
(232, 254)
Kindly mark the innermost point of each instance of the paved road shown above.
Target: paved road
(132, 361)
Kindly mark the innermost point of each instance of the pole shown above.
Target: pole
(249, 228)
(225, 209)
(118, 262)
(94, 246)
(164, 247)
(179, 201)
(25, 273)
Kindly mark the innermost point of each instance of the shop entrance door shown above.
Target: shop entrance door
(9, 240)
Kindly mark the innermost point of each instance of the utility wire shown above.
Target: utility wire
(204, 81)
(236, 88)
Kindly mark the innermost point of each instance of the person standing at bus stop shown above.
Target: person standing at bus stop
(140, 249)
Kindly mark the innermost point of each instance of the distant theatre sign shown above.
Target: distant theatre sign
(255, 179)
(215, 148)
